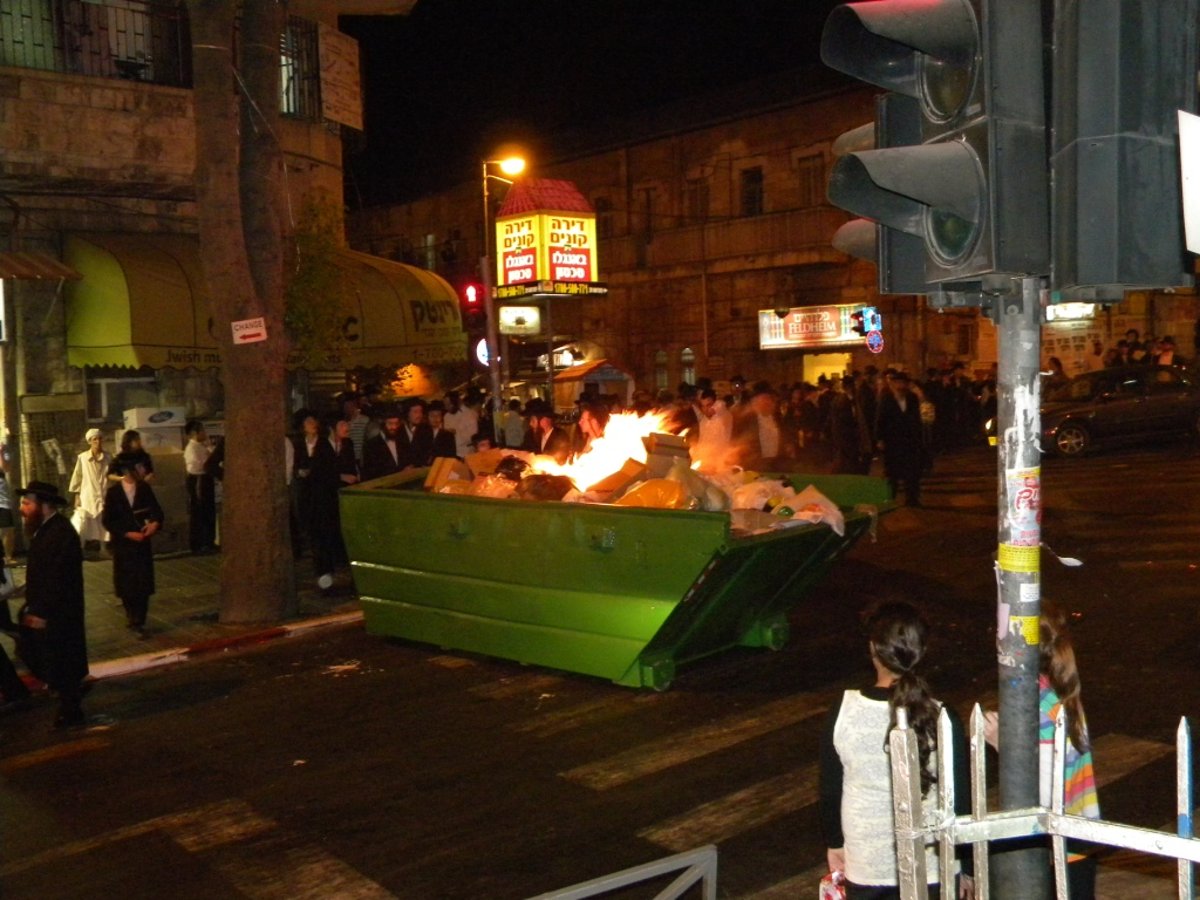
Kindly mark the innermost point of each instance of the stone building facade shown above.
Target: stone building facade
(714, 211)
(97, 137)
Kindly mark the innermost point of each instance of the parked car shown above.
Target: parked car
(1122, 404)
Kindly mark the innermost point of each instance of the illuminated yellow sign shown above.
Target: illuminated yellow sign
(546, 246)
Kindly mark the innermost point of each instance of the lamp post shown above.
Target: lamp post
(512, 165)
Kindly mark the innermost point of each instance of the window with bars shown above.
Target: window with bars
(660, 370)
(752, 191)
(300, 71)
(810, 173)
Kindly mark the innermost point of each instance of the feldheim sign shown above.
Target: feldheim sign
(807, 327)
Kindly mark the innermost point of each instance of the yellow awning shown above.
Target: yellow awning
(143, 301)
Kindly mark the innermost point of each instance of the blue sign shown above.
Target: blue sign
(875, 341)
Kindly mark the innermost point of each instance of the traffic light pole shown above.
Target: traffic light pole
(1021, 873)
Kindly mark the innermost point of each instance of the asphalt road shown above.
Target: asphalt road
(339, 765)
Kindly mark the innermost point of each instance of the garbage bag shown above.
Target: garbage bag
(657, 493)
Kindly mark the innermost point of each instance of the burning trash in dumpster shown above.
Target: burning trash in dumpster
(643, 553)
(634, 463)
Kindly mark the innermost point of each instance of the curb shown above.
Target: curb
(113, 668)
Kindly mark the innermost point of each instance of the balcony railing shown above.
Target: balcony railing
(137, 40)
(805, 233)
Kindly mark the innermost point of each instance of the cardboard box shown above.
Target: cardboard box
(155, 417)
(445, 469)
(619, 481)
(485, 461)
(664, 449)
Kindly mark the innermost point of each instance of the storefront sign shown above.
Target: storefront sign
(807, 326)
(546, 246)
(520, 320)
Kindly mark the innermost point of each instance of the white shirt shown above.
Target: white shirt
(195, 455)
(867, 822)
(464, 424)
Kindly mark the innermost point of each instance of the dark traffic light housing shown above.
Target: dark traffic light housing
(960, 158)
(1122, 68)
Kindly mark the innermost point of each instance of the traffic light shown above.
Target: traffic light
(961, 166)
(857, 324)
(474, 310)
(1122, 68)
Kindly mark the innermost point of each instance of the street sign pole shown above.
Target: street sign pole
(1019, 874)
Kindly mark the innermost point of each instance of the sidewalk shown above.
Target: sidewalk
(183, 613)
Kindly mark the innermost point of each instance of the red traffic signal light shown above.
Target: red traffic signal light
(474, 313)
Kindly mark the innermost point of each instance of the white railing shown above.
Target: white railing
(981, 827)
(698, 865)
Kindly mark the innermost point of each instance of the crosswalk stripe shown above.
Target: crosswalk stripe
(1117, 755)
(53, 753)
(719, 820)
(289, 869)
(517, 685)
(590, 712)
(655, 756)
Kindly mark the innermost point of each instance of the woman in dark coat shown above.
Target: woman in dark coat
(132, 516)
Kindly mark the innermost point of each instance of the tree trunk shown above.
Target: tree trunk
(239, 171)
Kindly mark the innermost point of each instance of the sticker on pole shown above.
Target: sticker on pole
(249, 331)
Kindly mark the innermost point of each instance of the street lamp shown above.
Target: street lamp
(513, 166)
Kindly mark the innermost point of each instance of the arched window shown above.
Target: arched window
(687, 363)
(660, 370)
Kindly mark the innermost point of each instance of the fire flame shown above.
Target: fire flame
(621, 441)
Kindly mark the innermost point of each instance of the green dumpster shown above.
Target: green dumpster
(621, 593)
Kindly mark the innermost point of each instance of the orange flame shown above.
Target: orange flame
(622, 440)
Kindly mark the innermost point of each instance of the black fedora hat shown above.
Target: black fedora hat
(44, 492)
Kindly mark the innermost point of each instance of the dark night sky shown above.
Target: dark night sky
(444, 86)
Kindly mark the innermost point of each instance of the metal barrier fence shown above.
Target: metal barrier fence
(137, 40)
(980, 826)
(698, 865)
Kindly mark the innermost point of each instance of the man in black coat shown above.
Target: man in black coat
(52, 640)
(132, 516)
(383, 454)
(899, 435)
(544, 436)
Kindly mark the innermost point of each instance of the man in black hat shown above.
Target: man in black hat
(52, 641)
(132, 516)
(544, 436)
(900, 436)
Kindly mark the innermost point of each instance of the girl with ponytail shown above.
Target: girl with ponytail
(856, 775)
(1059, 688)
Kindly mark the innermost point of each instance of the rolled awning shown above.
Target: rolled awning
(34, 266)
(143, 301)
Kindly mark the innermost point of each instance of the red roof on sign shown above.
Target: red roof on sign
(533, 194)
